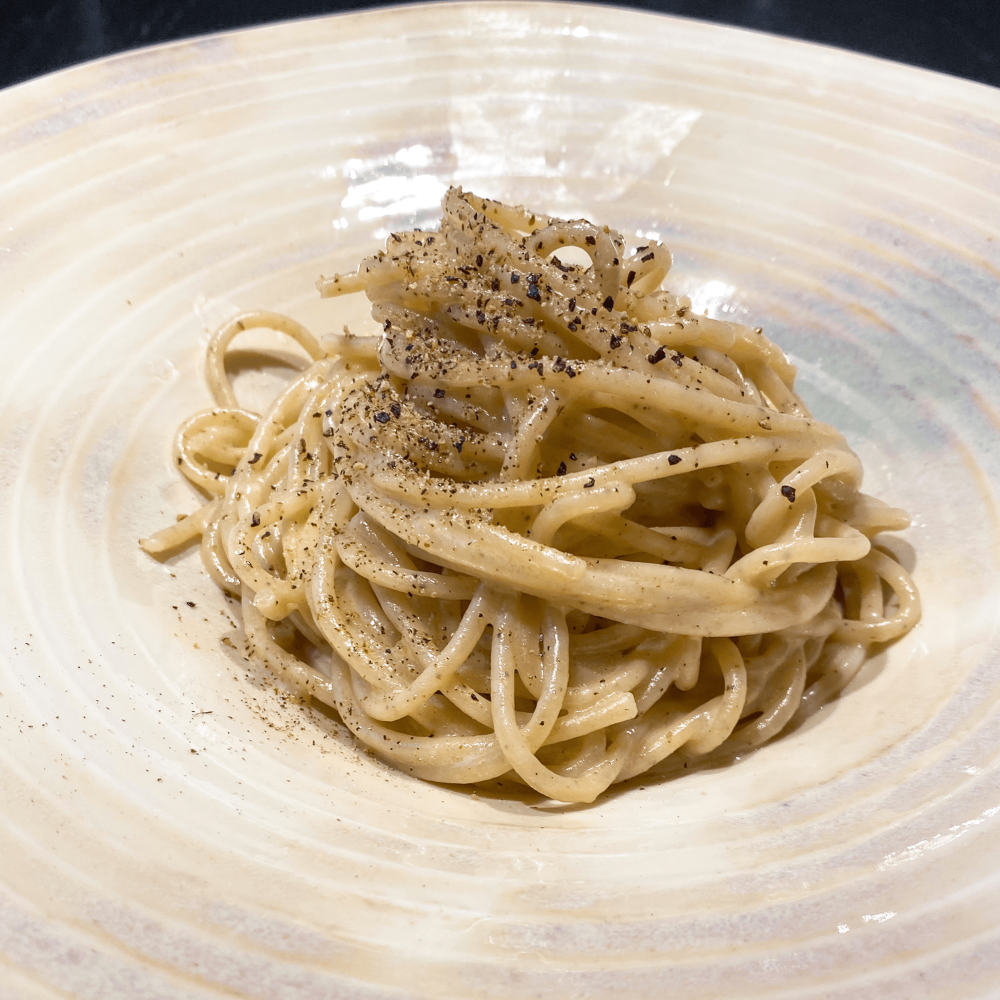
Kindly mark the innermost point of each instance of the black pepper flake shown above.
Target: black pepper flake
(513, 364)
(432, 446)
(495, 284)
(533, 293)
(396, 238)
(571, 372)
(534, 351)
(561, 471)
(678, 359)
(558, 365)
(593, 312)
(655, 359)
(190, 604)
(591, 241)
(394, 408)
(608, 303)
(328, 433)
(458, 445)
(439, 393)
(528, 321)
(533, 279)
(257, 456)
(648, 256)
(616, 341)
(387, 325)
(588, 483)
(515, 278)
(255, 520)
(382, 417)
(673, 459)
(329, 413)
(788, 492)
(572, 304)
(479, 260)
(630, 279)
(481, 316)
(572, 456)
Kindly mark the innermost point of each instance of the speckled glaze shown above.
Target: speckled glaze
(172, 828)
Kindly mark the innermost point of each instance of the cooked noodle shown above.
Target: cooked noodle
(550, 524)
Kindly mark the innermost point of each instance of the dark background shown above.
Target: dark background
(961, 37)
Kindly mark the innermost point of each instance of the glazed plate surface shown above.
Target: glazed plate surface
(173, 826)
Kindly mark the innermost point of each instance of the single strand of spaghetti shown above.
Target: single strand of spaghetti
(340, 284)
(180, 533)
(872, 607)
(214, 558)
(215, 358)
(468, 701)
(528, 626)
(769, 561)
(523, 446)
(609, 498)
(350, 347)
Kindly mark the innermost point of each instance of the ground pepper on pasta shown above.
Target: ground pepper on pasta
(550, 525)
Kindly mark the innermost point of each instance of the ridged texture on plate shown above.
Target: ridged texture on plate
(171, 829)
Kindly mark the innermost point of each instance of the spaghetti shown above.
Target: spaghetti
(550, 524)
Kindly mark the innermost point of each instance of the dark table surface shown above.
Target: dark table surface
(961, 37)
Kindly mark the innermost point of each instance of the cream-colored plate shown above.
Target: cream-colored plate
(171, 828)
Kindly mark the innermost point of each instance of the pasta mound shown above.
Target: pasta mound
(550, 525)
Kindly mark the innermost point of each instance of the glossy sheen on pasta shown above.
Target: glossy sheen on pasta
(550, 524)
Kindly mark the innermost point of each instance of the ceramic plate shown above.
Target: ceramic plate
(173, 826)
